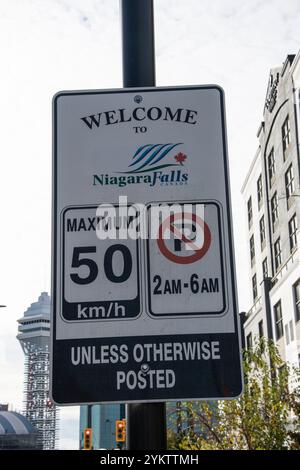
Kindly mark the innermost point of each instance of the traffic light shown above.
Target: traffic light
(87, 438)
(120, 430)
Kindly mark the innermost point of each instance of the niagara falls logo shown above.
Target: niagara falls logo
(151, 164)
(152, 157)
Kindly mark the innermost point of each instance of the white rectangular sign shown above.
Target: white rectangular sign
(144, 297)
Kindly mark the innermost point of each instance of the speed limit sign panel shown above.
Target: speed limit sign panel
(100, 279)
(185, 261)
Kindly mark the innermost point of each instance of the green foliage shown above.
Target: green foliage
(265, 417)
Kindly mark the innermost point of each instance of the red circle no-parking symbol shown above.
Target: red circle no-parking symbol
(168, 225)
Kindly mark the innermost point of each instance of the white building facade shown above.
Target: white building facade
(271, 193)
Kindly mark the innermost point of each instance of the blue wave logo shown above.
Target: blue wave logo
(148, 158)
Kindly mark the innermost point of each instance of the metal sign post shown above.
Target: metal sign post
(146, 422)
(138, 50)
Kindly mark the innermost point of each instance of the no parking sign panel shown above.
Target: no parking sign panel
(152, 315)
(187, 271)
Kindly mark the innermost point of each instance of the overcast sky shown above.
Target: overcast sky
(52, 45)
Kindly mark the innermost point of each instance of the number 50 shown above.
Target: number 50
(78, 261)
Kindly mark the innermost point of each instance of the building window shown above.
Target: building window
(286, 135)
(254, 287)
(262, 232)
(250, 214)
(271, 167)
(265, 268)
(259, 192)
(278, 320)
(277, 253)
(293, 233)
(289, 185)
(274, 210)
(261, 329)
(252, 250)
(296, 289)
(249, 341)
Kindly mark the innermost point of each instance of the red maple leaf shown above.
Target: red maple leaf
(180, 158)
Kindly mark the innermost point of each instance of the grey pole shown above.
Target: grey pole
(138, 43)
(146, 422)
